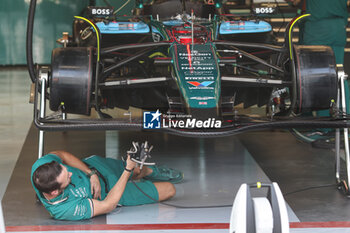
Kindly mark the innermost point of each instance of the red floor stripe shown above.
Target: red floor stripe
(319, 224)
(125, 227)
(179, 226)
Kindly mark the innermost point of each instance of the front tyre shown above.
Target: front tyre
(71, 79)
(316, 78)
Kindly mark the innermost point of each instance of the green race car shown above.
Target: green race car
(184, 59)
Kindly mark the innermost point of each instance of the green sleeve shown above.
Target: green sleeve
(53, 157)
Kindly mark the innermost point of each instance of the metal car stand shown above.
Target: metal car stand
(43, 79)
(341, 105)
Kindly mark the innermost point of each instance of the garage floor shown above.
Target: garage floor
(214, 170)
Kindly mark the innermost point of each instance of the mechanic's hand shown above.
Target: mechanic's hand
(95, 187)
(130, 164)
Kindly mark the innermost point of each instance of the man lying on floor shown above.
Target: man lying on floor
(71, 189)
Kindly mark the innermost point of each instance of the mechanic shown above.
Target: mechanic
(74, 189)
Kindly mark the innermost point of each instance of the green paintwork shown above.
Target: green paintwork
(195, 67)
(201, 68)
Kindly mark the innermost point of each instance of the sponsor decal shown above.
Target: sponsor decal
(199, 78)
(197, 68)
(195, 54)
(100, 11)
(202, 98)
(201, 88)
(200, 84)
(264, 10)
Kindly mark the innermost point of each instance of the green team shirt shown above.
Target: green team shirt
(322, 9)
(75, 202)
(326, 25)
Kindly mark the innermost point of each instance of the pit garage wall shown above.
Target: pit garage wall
(52, 18)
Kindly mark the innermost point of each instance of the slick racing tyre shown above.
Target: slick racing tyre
(316, 78)
(71, 79)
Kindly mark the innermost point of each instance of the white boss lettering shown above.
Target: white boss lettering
(101, 11)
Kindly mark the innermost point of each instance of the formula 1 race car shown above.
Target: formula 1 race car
(197, 68)
(182, 58)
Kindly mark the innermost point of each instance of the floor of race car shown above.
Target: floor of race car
(214, 169)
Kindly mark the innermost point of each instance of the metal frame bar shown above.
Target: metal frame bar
(250, 56)
(43, 78)
(134, 82)
(342, 100)
(256, 80)
(337, 146)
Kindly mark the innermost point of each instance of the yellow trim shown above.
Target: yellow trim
(97, 35)
(290, 33)
(258, 185)
(160, 54)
